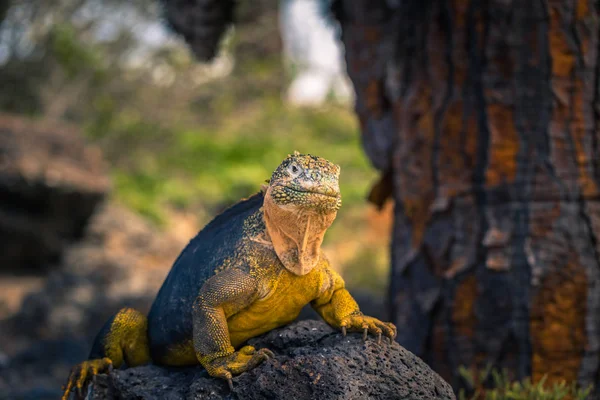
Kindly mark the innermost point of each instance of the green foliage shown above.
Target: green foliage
(502, 388)
(74, 56)
(212, 167)
(179, 135)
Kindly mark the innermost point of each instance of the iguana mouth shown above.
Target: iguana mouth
(324, 192)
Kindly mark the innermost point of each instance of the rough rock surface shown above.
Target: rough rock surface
(312, 362)
(50, 184)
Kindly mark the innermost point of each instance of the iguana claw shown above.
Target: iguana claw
(268, 353)
(362, 323)
(236, 363)
(82, 373)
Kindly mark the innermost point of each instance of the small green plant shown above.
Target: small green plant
(502, 388)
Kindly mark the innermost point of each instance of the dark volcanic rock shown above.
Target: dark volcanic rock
(312, 362)
(50, 184)
(121, 261)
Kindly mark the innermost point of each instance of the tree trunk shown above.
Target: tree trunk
(485, 115)
(4, 6)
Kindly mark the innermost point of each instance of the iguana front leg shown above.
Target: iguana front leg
(337, 307)
(221, 296)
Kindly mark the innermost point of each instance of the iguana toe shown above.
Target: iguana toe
(82, 373)
(366, 325)
(243, 360)
(268, 353)
(379, 337)
(247, 350)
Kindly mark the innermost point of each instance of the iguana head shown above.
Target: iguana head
(301, 202)
(306, 182)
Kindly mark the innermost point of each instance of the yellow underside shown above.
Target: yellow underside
(289, 294)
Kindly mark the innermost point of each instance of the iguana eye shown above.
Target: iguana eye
(293, 170)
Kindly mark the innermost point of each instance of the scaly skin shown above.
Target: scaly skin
(249, 271)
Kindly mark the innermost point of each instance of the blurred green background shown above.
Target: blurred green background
(180, 137)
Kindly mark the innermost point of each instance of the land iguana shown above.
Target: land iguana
(250, 270)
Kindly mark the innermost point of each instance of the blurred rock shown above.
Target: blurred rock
(121, 261)
(50, 184)
(312, 362)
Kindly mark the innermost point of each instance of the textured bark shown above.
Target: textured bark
(483, 117)
(4, 5)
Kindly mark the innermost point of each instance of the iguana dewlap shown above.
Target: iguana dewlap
(250, 270)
